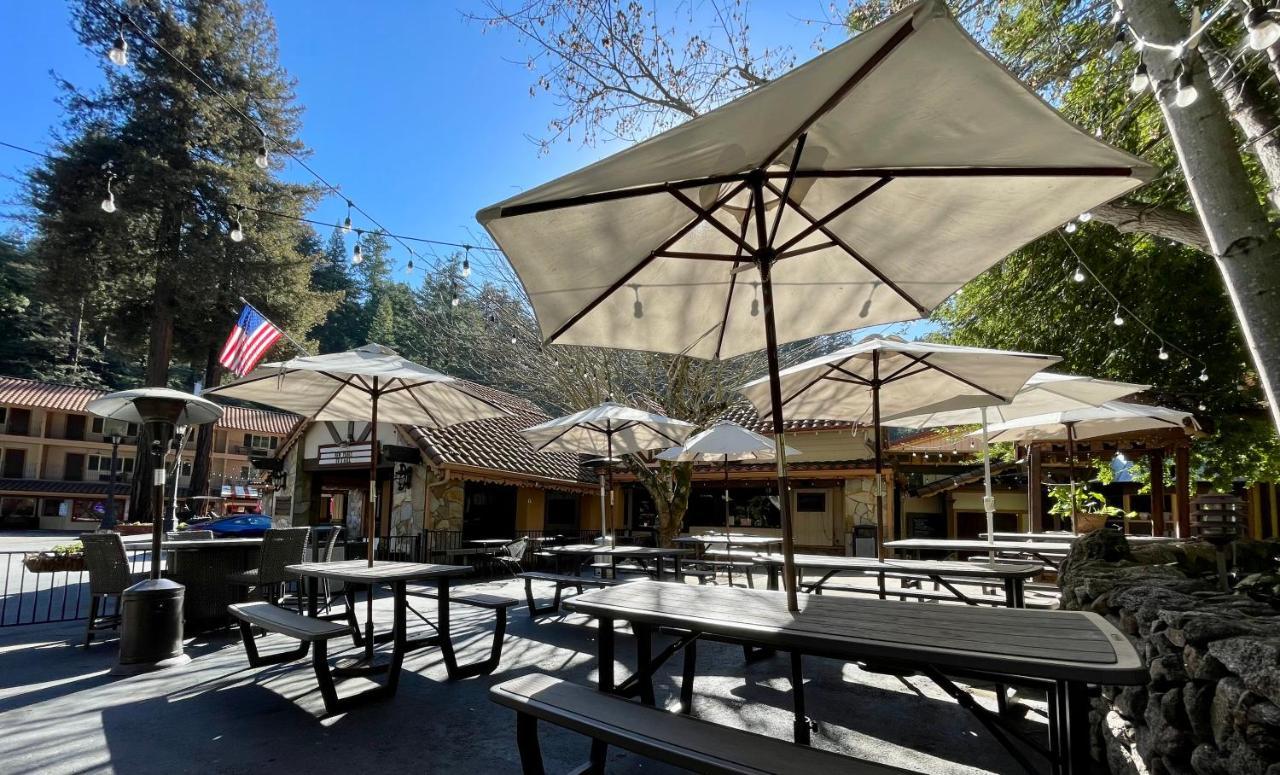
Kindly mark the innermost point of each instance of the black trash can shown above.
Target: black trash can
(151, 622)
(863, 540)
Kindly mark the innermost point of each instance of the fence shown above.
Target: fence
(27, 597)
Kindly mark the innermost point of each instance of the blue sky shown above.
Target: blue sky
(418, 114)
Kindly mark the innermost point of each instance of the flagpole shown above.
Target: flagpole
(292, 341)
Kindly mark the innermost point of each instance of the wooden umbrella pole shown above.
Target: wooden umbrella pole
(878, 484)
(608, 435)
(726, 494)
(372, 512)
(1071, 472)
(988, 500)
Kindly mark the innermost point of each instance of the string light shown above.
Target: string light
(466, 262)
(357, 254)
(263, 159)
(1085, 217)
(1186, 93)
(455, 301)
(1117, 320)
(346, 222)
(1200, 406)
(1079, 274)
(119, 53)
(109, 204)
(409, 267)
(1204, 374)
(1163, 354)
(1140, 80)
(237, 232)
(1070, 228)
(1263, 30)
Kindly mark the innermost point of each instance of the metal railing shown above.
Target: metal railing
(27, 597)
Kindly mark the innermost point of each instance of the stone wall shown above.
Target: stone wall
(1212, 703)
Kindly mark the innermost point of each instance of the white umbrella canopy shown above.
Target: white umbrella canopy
(341, 386)
(863, 187)
(1045, 392)
(723, 442)
(1110, 419)
(606, 430)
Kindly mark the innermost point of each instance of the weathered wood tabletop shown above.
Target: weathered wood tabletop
(381, 572)
(1045, 548)
(1001, 569)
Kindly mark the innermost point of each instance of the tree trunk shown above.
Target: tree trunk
(1241, 237)
(199, 482)
(1157, 220)
(1249, 111)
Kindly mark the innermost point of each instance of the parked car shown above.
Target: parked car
(237, 526)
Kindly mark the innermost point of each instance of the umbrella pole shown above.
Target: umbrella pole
(1071, 471)
(775, 399)
(726, 496)
(613, 537)
(372, 515)
(988, 500)
(603, 508)
(878, 484)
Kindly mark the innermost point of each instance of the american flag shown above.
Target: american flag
(248, 342)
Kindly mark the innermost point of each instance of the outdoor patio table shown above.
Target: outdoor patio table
(1051, 553)
(615, 552)
(202, 565)
(729, 540)
(397, 575)
(1064, 651)
(1011, 575)
(1061, 537)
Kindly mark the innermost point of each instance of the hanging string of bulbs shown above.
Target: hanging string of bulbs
(1262, 32)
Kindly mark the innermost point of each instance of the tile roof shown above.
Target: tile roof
(497, 444)
(743, 413)
(16, 391)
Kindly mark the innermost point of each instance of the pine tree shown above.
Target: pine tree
(181, 163)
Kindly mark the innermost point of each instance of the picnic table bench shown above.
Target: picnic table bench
(1060, 651)
(496, 603)
(682, 741)
(1048, 552)
(561, 581)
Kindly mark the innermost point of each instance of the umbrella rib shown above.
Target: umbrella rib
(697, 256)
(673, 239)
(424, 408)
(786, 189)
(801, 251)
(705, 215)
(849, 204)
(555, 438)
(959, 378)
(815, 380)
(960, 172)
(923, 310)
(733, 284)
(862, 72)
(332, 396)
(529, 208)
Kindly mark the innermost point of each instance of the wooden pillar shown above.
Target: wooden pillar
(1035, 504)
(1155, 458)
(1182, 488)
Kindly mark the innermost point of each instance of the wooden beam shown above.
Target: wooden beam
(1155, 459)
(1035, 504)
(1182, 489)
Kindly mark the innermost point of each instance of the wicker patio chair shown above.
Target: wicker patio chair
(515, 554)
(109, 576)
(280, 547)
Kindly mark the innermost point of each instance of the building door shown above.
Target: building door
(15, 463)
(73, 469)
(75, 427)
(814, 519)
(562, 513)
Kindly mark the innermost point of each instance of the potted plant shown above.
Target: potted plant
(133, 528)
(1089, 511)
(68, 558)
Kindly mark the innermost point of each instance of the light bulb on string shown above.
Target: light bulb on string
(1070, 228)
(1140, 80)
(237, 231)
(357, 253)
(1078, 275)
(119, 53)
(1204, 375)
(1085, 217)
(1117, 320)
(1263, 30)
(1186, 93)
(466, 261)
(409, 267)
(513, 338)
(109, 204)
(263, 159)
(455, 301)
(1163, 354)
(1201, 407)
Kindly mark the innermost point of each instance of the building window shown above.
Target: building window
(260, 443)
(811, 502)
(101, 464)
(18, 422)
(15, 463)
(98, 425)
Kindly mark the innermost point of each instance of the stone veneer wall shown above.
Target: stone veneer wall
(1212, 703)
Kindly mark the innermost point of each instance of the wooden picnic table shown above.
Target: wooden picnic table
(1063, 537)
(1011, 575)
(1063, 651)
(703, 543)
(614, 552)
(202, 566)
(1050, 553)
(358, 574)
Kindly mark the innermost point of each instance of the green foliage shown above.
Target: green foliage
(1086, 502)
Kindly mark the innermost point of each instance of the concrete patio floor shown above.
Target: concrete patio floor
(61, 712)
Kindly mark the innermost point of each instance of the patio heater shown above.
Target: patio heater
(151, 610)
(1218, 519)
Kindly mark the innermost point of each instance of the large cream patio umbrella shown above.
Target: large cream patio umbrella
(887, 375)
(370, 383)
(1044, 392)
(606, 430)
(863, 187)
(1110, 419)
